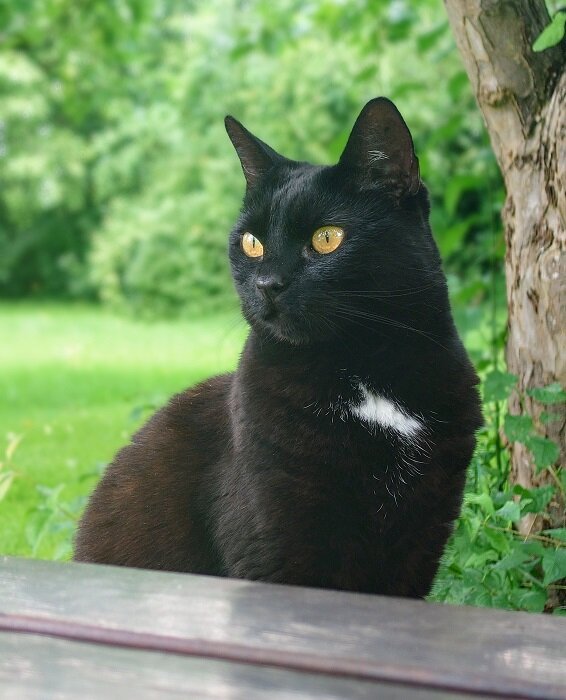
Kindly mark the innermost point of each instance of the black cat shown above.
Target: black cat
(336, 454)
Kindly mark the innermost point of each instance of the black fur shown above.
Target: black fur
(265, 473)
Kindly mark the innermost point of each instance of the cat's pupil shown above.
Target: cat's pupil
(327, 237)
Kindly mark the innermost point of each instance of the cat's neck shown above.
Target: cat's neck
(378, 360)
(357, 348)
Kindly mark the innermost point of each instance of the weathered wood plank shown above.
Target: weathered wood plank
(363, 637)
(43, 667)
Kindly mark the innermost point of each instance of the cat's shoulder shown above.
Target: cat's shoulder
(199, 409)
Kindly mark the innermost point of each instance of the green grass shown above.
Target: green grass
(75, 382)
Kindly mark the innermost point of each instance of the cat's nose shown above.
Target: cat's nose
(271, 285)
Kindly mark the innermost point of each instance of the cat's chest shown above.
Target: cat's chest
(379, 412)
(389, 442)
(346, 424)
(369, 416)
(351, 455)
(369, 441)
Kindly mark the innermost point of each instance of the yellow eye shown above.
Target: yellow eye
(327, 238)
(251, 246)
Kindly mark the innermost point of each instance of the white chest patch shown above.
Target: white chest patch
(379, 411)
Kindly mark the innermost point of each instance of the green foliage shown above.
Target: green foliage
(517, 428)
(545, 452)
(521, 429)
(551, 394)
(116, 177)
(553, 33)
(498, 385)
(487, 563)
(558, 533)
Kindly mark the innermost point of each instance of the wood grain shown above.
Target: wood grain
(44, 667)
(366, 638)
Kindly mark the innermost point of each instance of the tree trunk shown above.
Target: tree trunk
(522, 96)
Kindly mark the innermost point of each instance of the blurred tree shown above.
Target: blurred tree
(66, 70)
(118, 181)
(522, 93)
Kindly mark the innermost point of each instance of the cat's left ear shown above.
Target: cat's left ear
(380, 149)
(255, 156)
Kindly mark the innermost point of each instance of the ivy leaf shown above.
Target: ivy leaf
(498, 385)
(558, 533)
(529, 600)
(545, 452)
(553, 393)
(481, 499)
(478, 560)
(546, 417)
(498, 540)
(534, 500)
(510, 511)
(512, 561)
(535, 549)
(552, 34)
(554, 566)
(519, 490)
(517, 428)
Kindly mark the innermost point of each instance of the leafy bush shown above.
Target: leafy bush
(141, 262)
(123, 185)
(488, 562)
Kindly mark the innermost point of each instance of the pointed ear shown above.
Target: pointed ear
(380, 149)
(256, 157)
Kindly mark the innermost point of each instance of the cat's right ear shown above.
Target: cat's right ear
(256, 157)
(380, 150)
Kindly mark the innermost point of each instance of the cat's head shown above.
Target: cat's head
(324, 251)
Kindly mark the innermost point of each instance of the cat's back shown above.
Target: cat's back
(149, 508)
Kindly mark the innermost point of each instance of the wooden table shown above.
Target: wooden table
(84, 631)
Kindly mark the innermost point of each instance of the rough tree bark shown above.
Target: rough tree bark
(522, 96)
